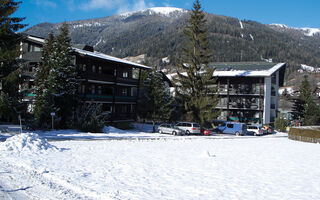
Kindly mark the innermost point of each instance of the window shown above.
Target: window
(100, 70)
(84, 68)
(33, 48)
(125, 74)
(99, 90)
(196, 125)
(134, 91)
(93, 68)
(93, 89)
(124, 92)
(83, 89)
(230, 125)
(37, 49)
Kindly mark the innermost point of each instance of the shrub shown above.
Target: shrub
(280, 124)
(91, 118)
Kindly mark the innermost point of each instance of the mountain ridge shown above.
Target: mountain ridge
(158, 33)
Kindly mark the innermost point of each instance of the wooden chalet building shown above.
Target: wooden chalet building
(104, 79)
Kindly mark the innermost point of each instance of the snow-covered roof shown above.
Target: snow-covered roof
(263, 72)
(110, 58)
(245, 69)
(37, 39)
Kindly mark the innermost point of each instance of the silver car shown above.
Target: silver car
(255, 129)
(170, 129)
(189, 127)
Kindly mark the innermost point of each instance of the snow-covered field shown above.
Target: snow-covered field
(139, 165)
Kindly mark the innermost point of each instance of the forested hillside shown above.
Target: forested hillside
(160, 35)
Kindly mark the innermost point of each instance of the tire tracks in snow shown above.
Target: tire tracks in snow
(19, 183)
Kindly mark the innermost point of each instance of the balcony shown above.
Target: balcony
(130, 81)
(233, 92)
(95, 97)
(97, 76)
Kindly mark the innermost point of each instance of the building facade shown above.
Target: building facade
(248, 91)
(103, 79)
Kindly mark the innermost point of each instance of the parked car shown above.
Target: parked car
(255, 129)
(227, 127)
(208, 131)
(189, 127)
(268, 129)
(170, 129)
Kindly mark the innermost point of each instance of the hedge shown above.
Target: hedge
(305, 134)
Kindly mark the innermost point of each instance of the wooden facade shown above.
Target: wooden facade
(103, 79)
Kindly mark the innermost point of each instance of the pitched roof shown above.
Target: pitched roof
(110, 58)
(79, 49)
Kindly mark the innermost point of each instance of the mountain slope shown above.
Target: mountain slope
(158, 33)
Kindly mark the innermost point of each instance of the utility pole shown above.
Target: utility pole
(20, 123)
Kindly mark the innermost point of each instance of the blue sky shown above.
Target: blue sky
(294, 13)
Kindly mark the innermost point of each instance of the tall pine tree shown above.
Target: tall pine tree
(10, 98)
(194, 84)
(56, 82)
(62, 78)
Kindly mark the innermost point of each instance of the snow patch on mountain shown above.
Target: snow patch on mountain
(310, 31)
(100, 41)
(306, 31)
(163, 11)
(280, 25)
(94, 24)
(166, 10)
(251, 36)
(241, 25)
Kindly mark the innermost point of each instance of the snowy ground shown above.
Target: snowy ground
(140, 165)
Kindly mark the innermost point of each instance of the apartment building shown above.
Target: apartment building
(248, 91)
(104, 79)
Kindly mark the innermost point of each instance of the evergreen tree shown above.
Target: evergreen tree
(43, 99)
(305, 109)
(280, 124)
(56, 82)
(62, 78)
(10, 98)
(194, 84)
(156, 104)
